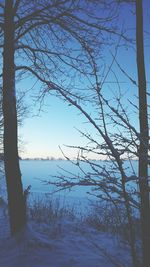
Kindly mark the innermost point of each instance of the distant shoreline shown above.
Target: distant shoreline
(63, 159)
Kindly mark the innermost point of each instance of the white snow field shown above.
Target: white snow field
(61, 243)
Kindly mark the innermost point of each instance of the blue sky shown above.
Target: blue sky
(55, 126)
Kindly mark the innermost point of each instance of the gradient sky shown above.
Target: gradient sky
(55, 126)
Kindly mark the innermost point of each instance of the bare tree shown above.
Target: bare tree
(41, 46)
(40, 34)
(124, 142)
(57, 45)
(144, 135)
(11, 160)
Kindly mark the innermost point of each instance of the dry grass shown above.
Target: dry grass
(48, 210)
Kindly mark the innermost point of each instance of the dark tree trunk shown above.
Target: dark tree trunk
(143, 149)
(16, 201)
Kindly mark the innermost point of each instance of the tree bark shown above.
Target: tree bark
(16, 202)
(143, 147)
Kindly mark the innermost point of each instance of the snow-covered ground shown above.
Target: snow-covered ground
(63, 242)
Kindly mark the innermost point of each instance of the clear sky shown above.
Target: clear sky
(55, 125)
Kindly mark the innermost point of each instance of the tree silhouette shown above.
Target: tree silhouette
(36, 36)
(124, 142)
(144, 136)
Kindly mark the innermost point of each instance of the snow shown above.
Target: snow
(64, 242)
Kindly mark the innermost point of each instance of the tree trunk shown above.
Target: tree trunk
(143, 148)
(16, 202)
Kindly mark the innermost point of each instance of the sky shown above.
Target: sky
(42, 133)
